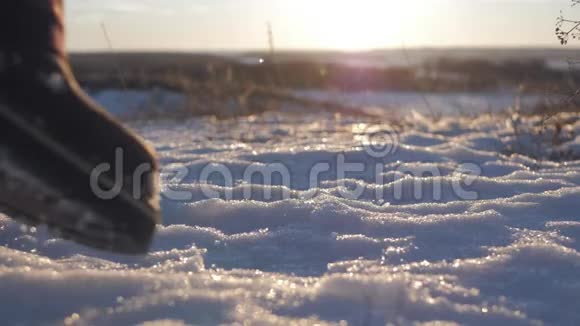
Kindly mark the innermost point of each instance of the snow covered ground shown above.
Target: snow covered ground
(133, 103)
(361, 224)
(452, 103)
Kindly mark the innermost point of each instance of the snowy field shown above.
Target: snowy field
(128, 104)
(452, 103)
(360, 224)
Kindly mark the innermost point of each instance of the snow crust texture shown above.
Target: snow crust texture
(498, 245)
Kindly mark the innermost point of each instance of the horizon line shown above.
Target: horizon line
(328, 50)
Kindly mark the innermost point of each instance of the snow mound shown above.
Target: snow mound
(444, 226)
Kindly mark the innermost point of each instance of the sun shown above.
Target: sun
(355, 24)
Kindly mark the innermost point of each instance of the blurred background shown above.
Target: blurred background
(170, 58)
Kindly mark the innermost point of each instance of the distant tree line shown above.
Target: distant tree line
(174, 71)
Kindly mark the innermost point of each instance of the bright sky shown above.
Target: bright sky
(311, 24)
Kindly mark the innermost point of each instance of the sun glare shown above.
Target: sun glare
(354, 25)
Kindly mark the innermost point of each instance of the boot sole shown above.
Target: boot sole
(42, 182)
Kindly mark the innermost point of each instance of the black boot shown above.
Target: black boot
(56, 144)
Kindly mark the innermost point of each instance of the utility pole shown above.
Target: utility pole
(271, 41)
(277, 78)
